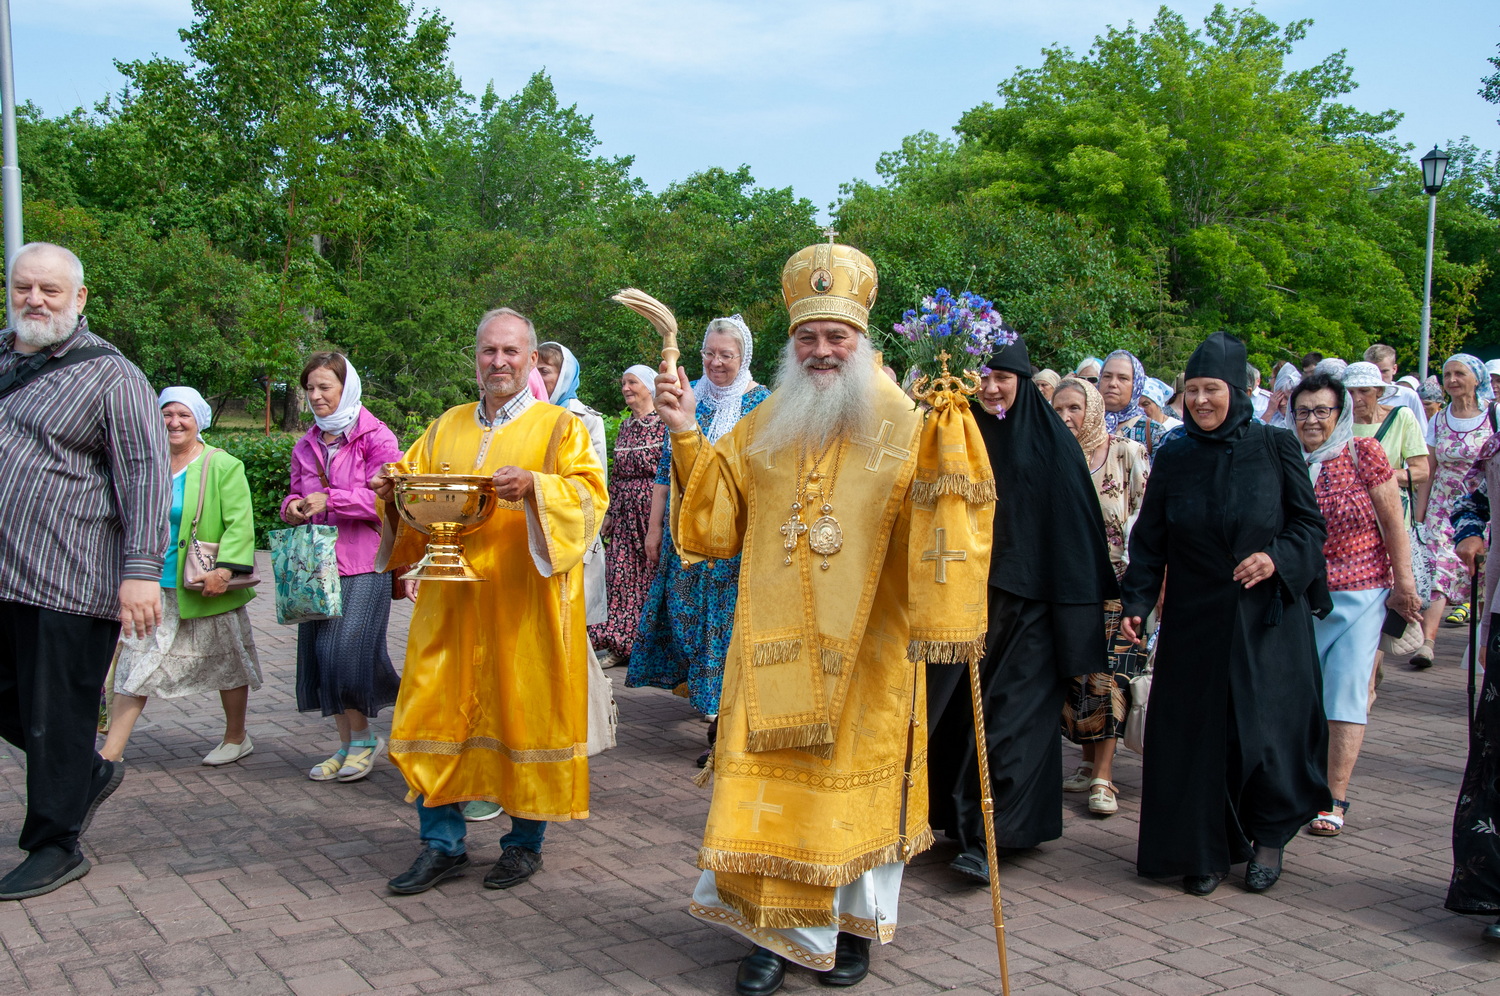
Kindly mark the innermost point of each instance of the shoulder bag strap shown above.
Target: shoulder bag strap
(1494, 420)
(30, 370)
(208, 457)
(1385, 426)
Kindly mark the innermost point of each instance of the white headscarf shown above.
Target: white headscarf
(645, 375)
(1342, 435)
(348, 410)
(202, 413)
(725, 401)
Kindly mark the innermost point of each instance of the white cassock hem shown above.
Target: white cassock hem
(865, 907)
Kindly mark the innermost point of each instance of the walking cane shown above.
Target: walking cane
(1474, 606)
(987, 805)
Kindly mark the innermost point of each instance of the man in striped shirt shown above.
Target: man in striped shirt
(84, 502)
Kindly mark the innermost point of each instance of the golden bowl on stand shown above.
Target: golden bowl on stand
(443, 507)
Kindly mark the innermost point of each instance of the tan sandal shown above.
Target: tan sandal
(1102, 801)
(359, 762)
(1079, 780)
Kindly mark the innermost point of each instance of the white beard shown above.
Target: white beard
(39, 333)
(812, 411)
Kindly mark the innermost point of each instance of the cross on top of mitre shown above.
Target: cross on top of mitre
(830, 233)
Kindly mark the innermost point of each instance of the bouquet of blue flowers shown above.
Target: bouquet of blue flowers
(967, 328)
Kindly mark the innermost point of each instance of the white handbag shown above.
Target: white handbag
(604, 715)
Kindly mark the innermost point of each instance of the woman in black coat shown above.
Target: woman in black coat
(1236, 745)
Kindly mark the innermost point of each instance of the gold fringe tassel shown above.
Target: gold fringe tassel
(833, 661)
(777, 652)
(702, 777)
(805, 737)
(773, 866)
(939, 652)
(921, 842)
(973, 492)
(778, 918)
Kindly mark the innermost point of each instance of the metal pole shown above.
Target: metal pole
(1426, 284)
(10, 172)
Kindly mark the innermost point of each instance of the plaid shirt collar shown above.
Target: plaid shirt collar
(509, 412)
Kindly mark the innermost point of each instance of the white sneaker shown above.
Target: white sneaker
(228, 753)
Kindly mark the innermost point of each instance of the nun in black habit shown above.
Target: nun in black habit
(1049, 576)
(1236, 745)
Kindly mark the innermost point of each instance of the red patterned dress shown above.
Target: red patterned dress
(628, 574)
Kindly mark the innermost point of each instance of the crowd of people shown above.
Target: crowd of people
(810, 564)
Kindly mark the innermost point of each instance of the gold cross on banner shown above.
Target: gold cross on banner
(759, 805)
(942, 555)
(881, 446)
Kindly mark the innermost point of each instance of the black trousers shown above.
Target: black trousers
(52, 665)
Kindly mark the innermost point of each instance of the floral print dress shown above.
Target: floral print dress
(1097, 703)
(628, 574)
(1455, 451)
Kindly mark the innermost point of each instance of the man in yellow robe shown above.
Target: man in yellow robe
(864, 527)
(494, 695)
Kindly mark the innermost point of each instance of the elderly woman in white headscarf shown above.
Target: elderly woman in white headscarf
(1369, 570)
(204, 642)
(689, 612)
(633, 506)
(343, 667)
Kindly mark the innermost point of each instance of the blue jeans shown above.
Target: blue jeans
(444, 829)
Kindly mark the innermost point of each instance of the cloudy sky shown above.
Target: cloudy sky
(808, 94)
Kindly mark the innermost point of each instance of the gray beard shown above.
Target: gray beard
(809, 416)
(41, 333)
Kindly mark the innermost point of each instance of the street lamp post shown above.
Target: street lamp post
(1434, 170)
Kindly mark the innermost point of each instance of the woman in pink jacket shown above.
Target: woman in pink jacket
(343, 667)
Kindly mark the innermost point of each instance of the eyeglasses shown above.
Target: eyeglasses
(1320, 413)
(1092, 380)
(722, 357)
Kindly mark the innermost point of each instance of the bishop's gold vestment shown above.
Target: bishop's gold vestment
(494, 695)
(820, 766)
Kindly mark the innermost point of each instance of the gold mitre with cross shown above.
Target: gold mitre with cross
(829, 282)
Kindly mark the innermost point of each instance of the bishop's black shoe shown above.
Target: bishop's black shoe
(761, 973)
(851, 961)
(431, 867)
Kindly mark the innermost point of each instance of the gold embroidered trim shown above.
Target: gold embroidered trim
(447, 748)
(882, 932)
(766, 939)
(776, 917)
(945, 652)
(777, 652)
(806, 737)
(972, 492)
(814, 779)
(833, 661)
(587, 501)
(713, 859)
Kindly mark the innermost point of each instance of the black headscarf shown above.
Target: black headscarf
(1222, 357)
(1049, 531)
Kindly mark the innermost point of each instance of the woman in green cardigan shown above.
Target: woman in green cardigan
(204, 642)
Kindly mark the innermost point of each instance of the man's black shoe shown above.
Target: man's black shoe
(761, 973)
(515, 866)
(430, 868)
(972, 864)
(44, 869)
(106, 780)
(851, 961)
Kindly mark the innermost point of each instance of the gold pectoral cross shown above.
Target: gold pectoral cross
(792, 528)
(942, 555)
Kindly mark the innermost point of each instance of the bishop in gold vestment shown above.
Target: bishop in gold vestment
(865, 548)
(494, 694)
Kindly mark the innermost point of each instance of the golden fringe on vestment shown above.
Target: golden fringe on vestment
(779, 917)
(972, 492)
(833, 876)
(778, 651)
(938, 652)
(807, 737)
(921, 842)
(702, 777)
(833, 661)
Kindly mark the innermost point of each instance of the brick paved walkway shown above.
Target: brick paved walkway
(251, 879)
